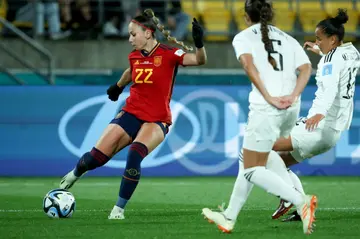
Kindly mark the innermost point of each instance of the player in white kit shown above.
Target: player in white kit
(270, 58)
(332, 109)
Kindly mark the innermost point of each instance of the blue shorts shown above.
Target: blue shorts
(132, 125)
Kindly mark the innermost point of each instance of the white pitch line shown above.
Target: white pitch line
(170, 184)
(177, 210)
(101, 184)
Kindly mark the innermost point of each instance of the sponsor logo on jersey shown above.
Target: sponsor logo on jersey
(146, 63)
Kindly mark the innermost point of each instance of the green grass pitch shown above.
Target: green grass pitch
(171, 208)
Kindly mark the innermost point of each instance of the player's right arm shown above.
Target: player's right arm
(125, 78)
(116, 89)
(243, 53)
(329, 75)
(311, 46)
(303, 65)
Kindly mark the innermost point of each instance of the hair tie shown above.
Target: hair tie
(142, 25)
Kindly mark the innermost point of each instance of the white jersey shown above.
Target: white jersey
(287, 52)
(335, 78)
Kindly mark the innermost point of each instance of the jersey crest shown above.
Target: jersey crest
(157, 61)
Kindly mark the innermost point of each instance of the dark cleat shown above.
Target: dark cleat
(293, 217)
(283, 208)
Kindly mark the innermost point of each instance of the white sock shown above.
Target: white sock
(296, 181)
(277, 165)
(273, 184)
(239, 195)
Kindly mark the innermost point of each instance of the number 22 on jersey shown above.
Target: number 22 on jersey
(143, 75)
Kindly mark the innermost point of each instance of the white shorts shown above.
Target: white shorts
(308, 144)
(265, 126)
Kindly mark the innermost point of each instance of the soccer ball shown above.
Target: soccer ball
(59, 203)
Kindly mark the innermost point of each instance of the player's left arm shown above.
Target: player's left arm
(329, 76)
(195, 59)
(199, 58)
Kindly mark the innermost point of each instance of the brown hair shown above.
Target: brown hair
(155, 24)
(262, 11)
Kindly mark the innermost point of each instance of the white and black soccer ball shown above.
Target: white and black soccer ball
(59, 203)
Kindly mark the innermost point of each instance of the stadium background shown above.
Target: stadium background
(54, 103)
(54, 106)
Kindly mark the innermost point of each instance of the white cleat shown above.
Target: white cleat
(307, 213)
(68, 180)
(224, 224)
(117, 213)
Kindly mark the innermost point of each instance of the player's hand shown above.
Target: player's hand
(197, 34)
(114, 91)
(278, 103)
(289, 99)
(311, 46)
(313, 122)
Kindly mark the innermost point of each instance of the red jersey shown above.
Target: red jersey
(153, 76)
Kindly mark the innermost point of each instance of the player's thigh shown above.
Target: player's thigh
(260, 135)
(289, 120)
(288, 159)
(255, 150)
(151, 135)
(113, 139)
(309, 144)
(285, 142)
(254, 158)
(120, 133)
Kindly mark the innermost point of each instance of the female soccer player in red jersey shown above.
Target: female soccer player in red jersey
(144, 120)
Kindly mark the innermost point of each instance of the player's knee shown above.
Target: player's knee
(275, 160)
(248, 173)
(93, 159)
(246, 176)
(289, 158)
(137, 152)
(100, 158)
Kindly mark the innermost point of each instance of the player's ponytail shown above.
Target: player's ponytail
(261, 11)
(150, 15)
(341, 17)
(266, 16)
(335, 25)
